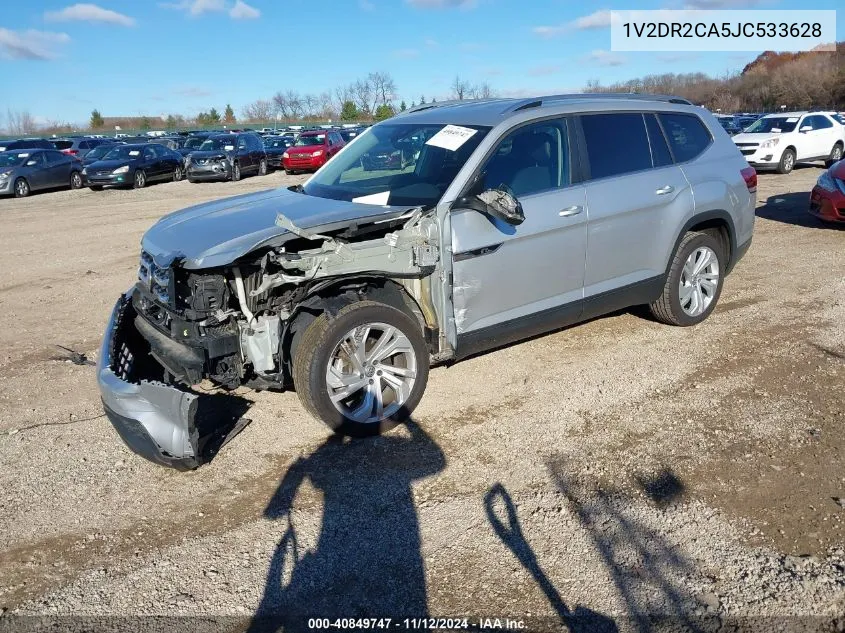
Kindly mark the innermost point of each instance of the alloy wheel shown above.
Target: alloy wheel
(371, 372)
(699, 281)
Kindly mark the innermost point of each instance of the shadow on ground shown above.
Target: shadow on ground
(367, 561)
(791, 208)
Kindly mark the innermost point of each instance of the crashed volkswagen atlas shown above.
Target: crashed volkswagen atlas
(510, 218)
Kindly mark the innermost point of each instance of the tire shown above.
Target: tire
(95, 187)
(191, 180)
(76, 180)
(22, 189)
(236, 172)
(178, 174)
(320, 345)
(835, 155)
(787, 161)
(675, 308)
(139, 180)
(262, 168)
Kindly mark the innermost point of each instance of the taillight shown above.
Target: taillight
(749, 175)
(71, 152)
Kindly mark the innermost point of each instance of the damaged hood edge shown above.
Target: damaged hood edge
(219, 232)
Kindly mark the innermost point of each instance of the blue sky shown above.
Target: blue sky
(60, 59)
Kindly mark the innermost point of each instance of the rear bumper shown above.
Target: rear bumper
(155, 420)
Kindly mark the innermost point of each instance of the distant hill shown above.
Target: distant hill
(770, 60)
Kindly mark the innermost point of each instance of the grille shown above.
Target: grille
(156, 278)
(747, 144)
(300, 156)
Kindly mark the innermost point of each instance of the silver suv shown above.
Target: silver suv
(451, 229)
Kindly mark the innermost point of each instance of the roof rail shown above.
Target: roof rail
(536, 102)
(451, 102)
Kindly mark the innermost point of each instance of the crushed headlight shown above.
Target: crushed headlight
(121, 170)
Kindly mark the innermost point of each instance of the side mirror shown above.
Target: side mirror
(806, 128)
(496, 203)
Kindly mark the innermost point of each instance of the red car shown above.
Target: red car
(312, 150)
(827, 199)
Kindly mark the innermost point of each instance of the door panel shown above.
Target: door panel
(503, 272)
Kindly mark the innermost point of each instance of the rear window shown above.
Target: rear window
(63, 144)
(616, 143)
(687, 134)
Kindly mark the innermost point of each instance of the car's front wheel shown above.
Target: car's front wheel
(140, 179)
(363, 371)
(262, 168)
(694, 282)
(177, 174)
(787, 161)
(236, 172)
(21, 188)
(835, 155)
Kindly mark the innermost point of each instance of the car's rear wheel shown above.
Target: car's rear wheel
(363, 371)
(75, 180)
(236, 172)
(21, 188)
(787, 161)
(139, 181)
(262, 168)
(177, 174)
(835, 155)
(694, 282)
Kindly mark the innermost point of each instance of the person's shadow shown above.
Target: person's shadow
(367, 561)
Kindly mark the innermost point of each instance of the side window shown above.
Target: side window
(149, 153)
(39, 159)
(660, 154)
(687, 134)
(616, 143)
(241, 142)
(821, 122)
(84, 145)
(530, 159)
(52, 158)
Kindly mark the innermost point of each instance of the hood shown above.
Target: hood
(754, 137)
(210, 154)
(217, 233)
(109, 164)
(837, 170)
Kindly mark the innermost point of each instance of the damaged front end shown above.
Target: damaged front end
(237, 324)
(155, 420)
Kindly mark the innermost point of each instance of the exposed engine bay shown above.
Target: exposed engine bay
(237, 324)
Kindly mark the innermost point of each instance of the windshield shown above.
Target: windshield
(397, 164)
(311, 139)
(194, 142)
(62, 144)
(10, 159)
(123, 152)
(225, 143)
(277, 142)
(773, 124)
(99, 151)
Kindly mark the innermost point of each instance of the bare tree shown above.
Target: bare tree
(282, 107)
(460, 88)
(383, 88)
(310, 103)
(480, 91)
(342, 94)
(296, 106)
(20, 122)
(363, 95)
(259, 111)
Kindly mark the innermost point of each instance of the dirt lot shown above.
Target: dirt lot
(596, 477)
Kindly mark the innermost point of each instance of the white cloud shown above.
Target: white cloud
(196, 7)
(604, 58)
(84, 12)
(366, 5)
(243, 11)
(31, 44)
(431, 43)
(442, 4)
(596, 20)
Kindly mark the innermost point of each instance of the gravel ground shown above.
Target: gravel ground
(619, 475)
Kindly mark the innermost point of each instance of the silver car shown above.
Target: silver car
(23, 171)
(515, 217)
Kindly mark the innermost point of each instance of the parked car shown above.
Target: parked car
(275, 146)
(312, 150)
(779, 141)
(347, 133)
(192, 144)
(98, 152)
(729, 124)
(78, 147)
(134, 166)
(170, 142)
(25, 143)
(350, 286)
(827, 199)
(227, 157)
(24, 171)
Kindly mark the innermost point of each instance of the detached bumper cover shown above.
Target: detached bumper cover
(155, 420)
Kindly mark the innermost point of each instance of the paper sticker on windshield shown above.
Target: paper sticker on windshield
(792, 119)
(228, 148)
(451, 137)
(23, 155)
(776, 129)
(134, 152)
(375, 198)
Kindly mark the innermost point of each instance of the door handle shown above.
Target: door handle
(569, 211)
(664, 190)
